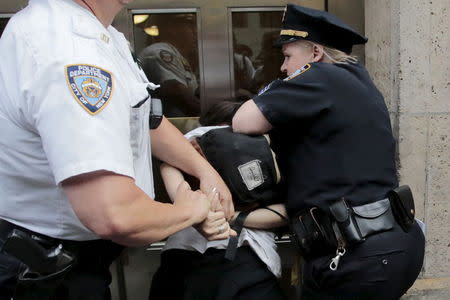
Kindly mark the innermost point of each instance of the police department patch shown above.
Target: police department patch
(264, 89)
(298, 72)
(166, 56)
(91, 86)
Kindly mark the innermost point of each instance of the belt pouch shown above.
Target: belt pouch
(300, 236)
(374, 217)
(310, 235)
(402, 204)
(343, 216)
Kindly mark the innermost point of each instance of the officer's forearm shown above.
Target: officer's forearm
(143, 225)
(114, 208)
(170, 146)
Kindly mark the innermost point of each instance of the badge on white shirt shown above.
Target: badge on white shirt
(91, 86)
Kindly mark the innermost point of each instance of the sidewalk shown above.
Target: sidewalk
(429, 289)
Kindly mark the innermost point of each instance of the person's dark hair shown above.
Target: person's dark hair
(220, 113)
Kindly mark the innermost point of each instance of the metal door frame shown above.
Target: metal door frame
(197, 12)
(230, 11)
(214, 31)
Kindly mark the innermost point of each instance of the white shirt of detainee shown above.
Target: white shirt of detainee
(67, 90)
(261, 241)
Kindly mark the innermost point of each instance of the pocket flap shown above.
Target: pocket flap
(372, 210)
(139, 94)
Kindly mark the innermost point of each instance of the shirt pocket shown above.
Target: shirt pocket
(139, 118)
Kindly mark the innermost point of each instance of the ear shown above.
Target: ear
(318, 53)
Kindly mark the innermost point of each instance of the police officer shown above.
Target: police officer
(331, 130)
(75, 168)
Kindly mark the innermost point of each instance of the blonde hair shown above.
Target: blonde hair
(338, 57)
(333, 55)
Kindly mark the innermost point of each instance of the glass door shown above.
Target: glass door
(202, 52)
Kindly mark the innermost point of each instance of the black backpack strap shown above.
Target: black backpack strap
(276, 212)
(238, 224)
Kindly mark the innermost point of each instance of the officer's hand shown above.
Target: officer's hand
(213, 180)
(195, 202)
(215, 226)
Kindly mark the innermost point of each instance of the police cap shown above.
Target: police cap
(317, 26)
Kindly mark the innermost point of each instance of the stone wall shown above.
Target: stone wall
(408, 56)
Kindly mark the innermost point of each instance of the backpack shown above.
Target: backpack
(246, 163)
(248, 166)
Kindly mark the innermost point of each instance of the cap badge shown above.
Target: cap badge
(166, 56)
(291, 32)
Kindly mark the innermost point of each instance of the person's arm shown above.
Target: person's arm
(172, 178)
(170, 146)
(262, 218)
(115, 208)
(250, 120)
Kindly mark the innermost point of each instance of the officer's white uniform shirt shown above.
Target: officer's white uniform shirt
(262, 242)
(47, 133)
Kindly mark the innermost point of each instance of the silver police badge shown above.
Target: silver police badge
(91, 86)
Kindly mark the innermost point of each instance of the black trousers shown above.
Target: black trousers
(383, 267)
(190, 275)
(89, 278)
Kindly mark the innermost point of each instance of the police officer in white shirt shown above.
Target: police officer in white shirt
(75, 167)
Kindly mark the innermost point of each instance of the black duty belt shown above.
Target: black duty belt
(27, 242)
(6, 228)
(317, 232)
(48, 259)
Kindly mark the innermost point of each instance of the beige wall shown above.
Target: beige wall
(408, 55)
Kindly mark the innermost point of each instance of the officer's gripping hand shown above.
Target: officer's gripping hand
(194, 202)
(212, 180)
(215, 226)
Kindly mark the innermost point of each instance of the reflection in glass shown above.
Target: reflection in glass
(166, 45)
(256, 62)
(3, 22)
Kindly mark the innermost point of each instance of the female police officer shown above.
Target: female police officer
(75, 164)
(331, 129)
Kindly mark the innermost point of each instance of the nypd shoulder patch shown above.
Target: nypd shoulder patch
(266, 88)
(91, 86)
(298, 72)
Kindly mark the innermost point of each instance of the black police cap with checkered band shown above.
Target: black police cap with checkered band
(302, 23)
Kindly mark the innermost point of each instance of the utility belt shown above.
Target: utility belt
(317, 232)
(48, 260)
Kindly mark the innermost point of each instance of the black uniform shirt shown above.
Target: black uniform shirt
(332, 134)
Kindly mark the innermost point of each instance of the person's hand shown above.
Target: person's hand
(215, 226)
(195, 202)
(213, 180)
